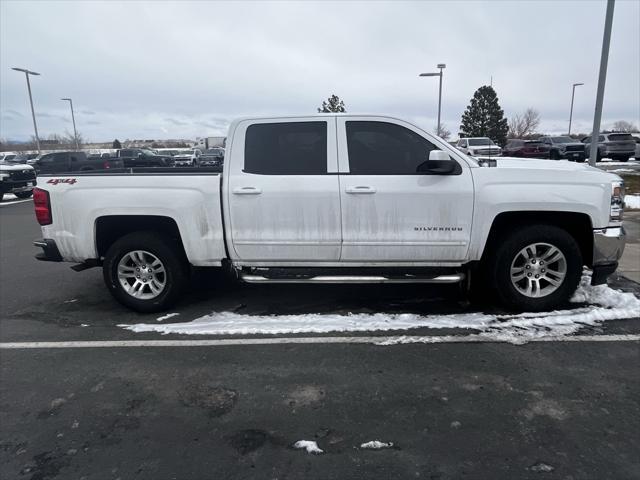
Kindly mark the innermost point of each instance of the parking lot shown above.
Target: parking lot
(563, 408)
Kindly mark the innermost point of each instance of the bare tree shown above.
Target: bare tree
(69, 138)
(443, 133)
(524, 125)
(624, 126)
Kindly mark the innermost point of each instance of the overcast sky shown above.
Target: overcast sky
(184, 69)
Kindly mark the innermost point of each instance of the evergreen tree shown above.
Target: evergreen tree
(484, 117)
(116, 144)
(333, 104)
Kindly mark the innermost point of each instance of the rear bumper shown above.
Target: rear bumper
(608, 246)
(50, 252)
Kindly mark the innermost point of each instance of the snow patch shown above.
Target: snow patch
(376, 445)
(542, 467)
(632, 201)
(604, 302)
(73, 300)
(308, 445)
(167, 316)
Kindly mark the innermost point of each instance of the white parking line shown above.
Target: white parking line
(4, 204)
(383, 340)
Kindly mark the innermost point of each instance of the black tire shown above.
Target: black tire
(623, 159)
(507, 251)
(172, 258)
(554, 155)
(23, 194)
(1, 196)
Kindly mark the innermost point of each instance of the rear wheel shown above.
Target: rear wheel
(537, 268)
(145, 271)
(554, 155)
(623, 159)
(24, 194)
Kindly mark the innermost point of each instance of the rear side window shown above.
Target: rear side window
(291, 148)
(382, 148)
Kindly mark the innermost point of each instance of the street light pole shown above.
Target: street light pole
(571, 111)
(33, 114)
(441, 66)
(73, 118)
(602, 78)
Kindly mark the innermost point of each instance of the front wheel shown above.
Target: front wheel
(145, 271)
(24, 194)
(537, 268)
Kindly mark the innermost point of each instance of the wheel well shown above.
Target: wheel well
(111, 228)
(577, 224)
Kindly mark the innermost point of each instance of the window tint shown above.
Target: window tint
(381, 148)
(292, 148)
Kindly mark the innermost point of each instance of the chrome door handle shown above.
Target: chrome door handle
(247, 191)
(361, 189)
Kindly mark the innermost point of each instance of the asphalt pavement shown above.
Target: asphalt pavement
(556, 410)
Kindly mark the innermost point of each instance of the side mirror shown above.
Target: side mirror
(439, 163)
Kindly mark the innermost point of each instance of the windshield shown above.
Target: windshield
(214, 151)
(148, 153)
(480, 141)
(563, 140)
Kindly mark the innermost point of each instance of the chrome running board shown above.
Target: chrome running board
(453, 278)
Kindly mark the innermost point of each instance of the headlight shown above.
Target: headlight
(617, 201)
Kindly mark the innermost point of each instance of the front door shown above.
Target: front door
(391, 213)
(283, 196)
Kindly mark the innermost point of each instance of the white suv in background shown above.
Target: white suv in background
(187, 158)
(478, 146)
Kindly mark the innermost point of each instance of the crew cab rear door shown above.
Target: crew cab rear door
(390, 212)
(282, 192)
(54, 163)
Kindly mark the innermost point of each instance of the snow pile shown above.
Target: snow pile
(604, 303)
(309, 446)
(632, 201)
(166, 317)
(376, 445)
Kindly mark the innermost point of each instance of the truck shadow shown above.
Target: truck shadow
(290, 299)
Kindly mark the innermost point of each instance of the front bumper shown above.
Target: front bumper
(17, 186)
(573, 155)
(608, 246)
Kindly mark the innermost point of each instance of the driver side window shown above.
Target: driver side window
(382, 148)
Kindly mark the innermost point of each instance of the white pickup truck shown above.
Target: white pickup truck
(339, 199)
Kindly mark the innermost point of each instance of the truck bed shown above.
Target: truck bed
(189, 197)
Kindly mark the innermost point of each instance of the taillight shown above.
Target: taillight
(42, 205)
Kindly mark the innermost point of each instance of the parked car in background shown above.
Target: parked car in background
(213, 157)
(65, 162)
(187, 158)
(5, 157)
(478, 146)
(636, 138)
(167, 151)
(616, 146)
(140, 157)
(563, 147)
(211, 142)
(525, 149)
(17, 179)
(20, 158)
